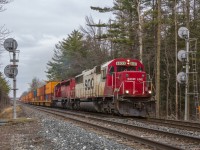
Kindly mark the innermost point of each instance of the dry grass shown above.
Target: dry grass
(20, 120)
(7, 115)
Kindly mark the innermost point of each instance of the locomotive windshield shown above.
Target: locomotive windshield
(126, 68)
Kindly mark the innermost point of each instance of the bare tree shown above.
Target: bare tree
(2, 3)
(158, 58)
(140, 28)
(36, 83)
(3, 31)
(176, 47)
(4, 88)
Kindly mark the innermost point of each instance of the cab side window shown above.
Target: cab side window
(98, 69)
(79, 79)
(140, 68)
(103, 73)
(111, 70)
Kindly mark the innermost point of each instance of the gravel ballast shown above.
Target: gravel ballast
(67, 136)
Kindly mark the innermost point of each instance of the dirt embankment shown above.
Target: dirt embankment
(20, 133)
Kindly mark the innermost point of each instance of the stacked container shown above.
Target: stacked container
(41, 93)
(49, 90)
(30, 96)
(35, 95)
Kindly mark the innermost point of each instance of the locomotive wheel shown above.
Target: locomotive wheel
(54, 104)
(64, 104)
(76, 105)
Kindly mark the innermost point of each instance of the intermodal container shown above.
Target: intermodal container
(41, 91)
(30, 96)
(35, 94)
(49, 97)
(50, 87)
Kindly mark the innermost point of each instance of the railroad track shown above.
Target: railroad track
(130, 132)
(178, 124)
(194, 126)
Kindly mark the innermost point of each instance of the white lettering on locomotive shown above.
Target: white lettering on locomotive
(133, 63)
(89, 84)
(140, 79)
(131, 79)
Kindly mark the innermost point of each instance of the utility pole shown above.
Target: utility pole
(11, 71)
(14, 86)
(186, 117)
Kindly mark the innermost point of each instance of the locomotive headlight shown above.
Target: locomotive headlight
(142, 75)
(127, 91)
(149, 91)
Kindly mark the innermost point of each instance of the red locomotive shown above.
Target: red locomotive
(119, 86)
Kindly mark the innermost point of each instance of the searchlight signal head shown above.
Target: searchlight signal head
(181, 77)
(182, 55)
(183, 33)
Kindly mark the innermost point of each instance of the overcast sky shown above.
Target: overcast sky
(37, 26)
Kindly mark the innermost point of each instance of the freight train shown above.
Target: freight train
(119, 86)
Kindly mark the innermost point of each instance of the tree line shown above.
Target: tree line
(141, 29)
(4, 91)
(4, 86)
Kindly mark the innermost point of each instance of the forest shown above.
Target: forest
(143, 29)
(4, 86)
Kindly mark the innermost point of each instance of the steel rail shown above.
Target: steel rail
(186, 137)
(151, 143)
(175, 123)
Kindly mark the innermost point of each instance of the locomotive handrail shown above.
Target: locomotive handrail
(144, 86)
(119, 89)
(122, 84)
(112, 81)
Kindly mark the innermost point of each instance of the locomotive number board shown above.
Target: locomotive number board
(133, 63)
(123, 63)
(120, 63)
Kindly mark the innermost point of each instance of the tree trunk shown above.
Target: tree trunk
(158, 59)
(176, 94)
(188, 14)
(139, 29)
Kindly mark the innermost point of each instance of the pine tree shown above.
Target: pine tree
(69, 57)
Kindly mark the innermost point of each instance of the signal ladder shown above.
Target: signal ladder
(194, 73)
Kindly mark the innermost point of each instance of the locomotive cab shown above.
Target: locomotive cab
(127, 81)
(127, 78)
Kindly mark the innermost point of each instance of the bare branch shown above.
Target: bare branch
(2, 3)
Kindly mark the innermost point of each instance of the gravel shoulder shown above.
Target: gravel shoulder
(43, 132)
(22, 133)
